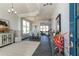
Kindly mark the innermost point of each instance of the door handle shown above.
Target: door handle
(71, 35)
(71, 44)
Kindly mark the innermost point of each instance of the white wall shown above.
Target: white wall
(14, 22)
(19, 29)
(63, 9)
(37, 30)
(11, 18)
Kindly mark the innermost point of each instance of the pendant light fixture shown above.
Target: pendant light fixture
(11, 10)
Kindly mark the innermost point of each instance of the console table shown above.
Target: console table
(6, 38)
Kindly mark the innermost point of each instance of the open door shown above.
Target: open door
(73, 28)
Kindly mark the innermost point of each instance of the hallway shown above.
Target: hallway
(43, 49)
(29, 21)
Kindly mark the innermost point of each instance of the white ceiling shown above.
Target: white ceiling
(30, 9)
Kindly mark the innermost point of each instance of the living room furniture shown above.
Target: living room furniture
(6, 38)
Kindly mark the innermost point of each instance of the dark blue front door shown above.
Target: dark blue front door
(73, 28)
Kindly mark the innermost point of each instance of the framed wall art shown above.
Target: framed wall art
(58, 23)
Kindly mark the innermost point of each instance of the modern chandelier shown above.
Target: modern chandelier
(11, 11)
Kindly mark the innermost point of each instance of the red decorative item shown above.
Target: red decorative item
(58, 41)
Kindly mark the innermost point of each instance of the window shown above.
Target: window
(44, 28)
(40, 28)
(47, 28)
(26, 27)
